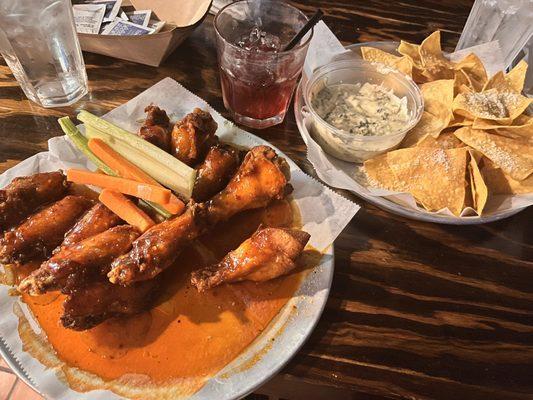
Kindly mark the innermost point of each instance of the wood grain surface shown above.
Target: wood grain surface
(417, 310)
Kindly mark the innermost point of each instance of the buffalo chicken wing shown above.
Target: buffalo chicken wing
(97, 220)
(267, 254)
(89, 306)
(193, 136)
(40, 233)
(24, 194)
(78, 264)
(214, 173)
(260, 179)
(156, 127)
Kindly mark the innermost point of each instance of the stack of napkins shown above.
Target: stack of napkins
(106, 17)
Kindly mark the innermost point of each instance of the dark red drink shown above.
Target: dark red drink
(258, 79)
(257, 100)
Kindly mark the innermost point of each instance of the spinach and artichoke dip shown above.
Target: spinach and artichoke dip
(367, 110)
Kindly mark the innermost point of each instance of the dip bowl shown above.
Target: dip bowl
(352, 147)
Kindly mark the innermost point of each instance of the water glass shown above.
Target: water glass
(508, 21)
(258, 78)
(38, 42)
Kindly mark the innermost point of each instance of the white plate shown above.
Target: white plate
(263, 358)
(237, 380)
(378, 201)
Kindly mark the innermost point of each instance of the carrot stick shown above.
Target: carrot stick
(143, 191)
(128, 170)
(125, 209)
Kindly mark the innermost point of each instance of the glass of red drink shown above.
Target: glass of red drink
(258, 78)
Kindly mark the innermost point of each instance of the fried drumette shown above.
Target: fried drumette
(158, 247)
(81, 263)
(267, 254)
(192, 136)
(156, 127)
(214, 173)
(98, 219)
(23, 195)
(259, 180)
(89, 306)
(40, 233)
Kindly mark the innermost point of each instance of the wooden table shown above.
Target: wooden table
(417, 310)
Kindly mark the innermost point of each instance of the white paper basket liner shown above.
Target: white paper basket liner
(324, 215)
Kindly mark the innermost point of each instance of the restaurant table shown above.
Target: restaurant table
(416, 310)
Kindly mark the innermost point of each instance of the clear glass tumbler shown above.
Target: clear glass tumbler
(257, 77)
(39, 43)
(508, 21)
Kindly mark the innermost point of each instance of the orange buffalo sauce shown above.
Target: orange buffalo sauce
(188, 335)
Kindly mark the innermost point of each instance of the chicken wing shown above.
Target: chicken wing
(156, 127)
(98, 219)
(158, 247)
(87, 307)
(259, 180)
(192, 136)
(214, 173)
(267, 254)
(40, 233)
(24, 194)
(81, 263)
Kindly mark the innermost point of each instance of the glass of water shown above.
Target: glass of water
(508, 21)
(39, 43)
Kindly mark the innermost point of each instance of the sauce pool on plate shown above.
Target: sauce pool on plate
(189, 336)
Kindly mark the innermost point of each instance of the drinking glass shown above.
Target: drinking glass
(258, 78)
(39, 43)
(508, 21)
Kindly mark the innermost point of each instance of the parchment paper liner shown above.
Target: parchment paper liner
(324, 216)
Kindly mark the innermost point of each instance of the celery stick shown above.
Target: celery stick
(185, 175)
(157, 208)
(80, 142)
(167, 177)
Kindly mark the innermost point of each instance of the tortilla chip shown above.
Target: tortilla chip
(472, 67)
(498, 82)
(459, 120)
(434, 64)
(517, 76)
(410, 51)
(491, 104)
(372, 54)
(445, 141)
(513, 156)
(435, 177)
(438, 99)
(462, 83)
(429, 124)
(402, 64)
(438, 94)
(522, 126)
(500, 183)
(379, 175)
(480, 192)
